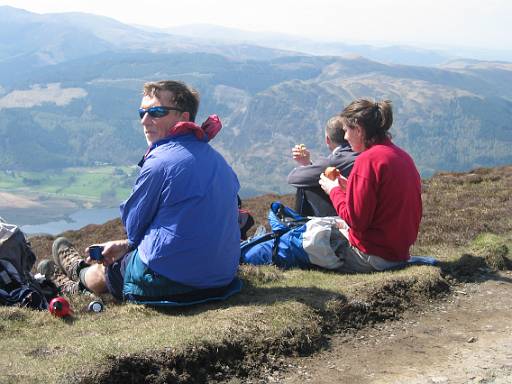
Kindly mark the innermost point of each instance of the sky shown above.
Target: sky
(424, 23)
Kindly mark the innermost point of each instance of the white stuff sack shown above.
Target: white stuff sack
(320, 239)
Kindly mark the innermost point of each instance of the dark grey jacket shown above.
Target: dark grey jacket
(308, 175)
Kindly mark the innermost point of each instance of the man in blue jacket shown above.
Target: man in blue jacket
(181, 219)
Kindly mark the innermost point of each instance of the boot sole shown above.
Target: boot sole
(55, 250)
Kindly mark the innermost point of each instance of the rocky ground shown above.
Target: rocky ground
(465, 338)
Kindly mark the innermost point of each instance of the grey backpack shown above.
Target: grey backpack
(17, 285)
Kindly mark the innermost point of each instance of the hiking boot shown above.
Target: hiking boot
(67, 258)
(65, 284)
(46, 268)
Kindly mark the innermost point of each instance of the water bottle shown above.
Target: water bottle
(60, 307)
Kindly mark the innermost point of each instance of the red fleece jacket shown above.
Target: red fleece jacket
(382, 203)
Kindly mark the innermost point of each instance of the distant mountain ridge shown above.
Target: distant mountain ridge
(79, 108)
(398, 54)
(30, 39)
(388, 53)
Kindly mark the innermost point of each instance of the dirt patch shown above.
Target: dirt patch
(81, 239)
(205, 363)
(8, 200)
(366, 337)
(466, 338)
(32, 208)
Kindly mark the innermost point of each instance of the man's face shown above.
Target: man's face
(157, 128)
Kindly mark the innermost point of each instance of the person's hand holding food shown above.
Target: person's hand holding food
(332, 178)
(301, 154)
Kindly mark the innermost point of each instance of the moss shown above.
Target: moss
(494, 249)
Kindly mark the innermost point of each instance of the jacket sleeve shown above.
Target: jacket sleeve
(357, 205)
(307, 175)
(343, 159)
(138, 211)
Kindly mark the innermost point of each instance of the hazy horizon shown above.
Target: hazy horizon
(464, 24)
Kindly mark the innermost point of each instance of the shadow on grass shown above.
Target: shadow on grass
(315, 298)
(470, 268)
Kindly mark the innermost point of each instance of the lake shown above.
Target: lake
(74, 221)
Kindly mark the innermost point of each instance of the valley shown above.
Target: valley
(28, 197)
(64, 107)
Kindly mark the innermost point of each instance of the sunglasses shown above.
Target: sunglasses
(160, 111)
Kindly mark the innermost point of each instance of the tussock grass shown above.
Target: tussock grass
(495, 249)
(277, 313)
(460, 206)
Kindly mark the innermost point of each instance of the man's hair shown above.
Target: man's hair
(183, 96)
(334, 130)
(374, 118)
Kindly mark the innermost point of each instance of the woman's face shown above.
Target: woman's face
(355, 137)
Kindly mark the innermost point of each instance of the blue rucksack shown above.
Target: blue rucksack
(295, 241)
(304, 242)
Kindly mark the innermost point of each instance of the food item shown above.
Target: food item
(301, 148)
(332, 173)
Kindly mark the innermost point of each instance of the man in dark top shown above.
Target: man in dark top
(310, 199)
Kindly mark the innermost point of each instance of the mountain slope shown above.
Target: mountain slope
(83, 110)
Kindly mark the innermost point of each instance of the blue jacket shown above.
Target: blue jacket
(183, 214)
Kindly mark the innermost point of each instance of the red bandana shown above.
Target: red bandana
(207, 131)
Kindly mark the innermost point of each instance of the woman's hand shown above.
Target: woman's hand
(112, 251)
(301, 154)
(328, 184)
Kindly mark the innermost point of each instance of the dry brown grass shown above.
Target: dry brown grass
(459, 206)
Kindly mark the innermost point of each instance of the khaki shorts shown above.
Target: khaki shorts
(356, 261)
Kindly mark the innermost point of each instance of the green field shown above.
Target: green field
(102, 185)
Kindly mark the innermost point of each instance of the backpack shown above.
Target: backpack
(245, 220)
(295, 241)
(17, 285)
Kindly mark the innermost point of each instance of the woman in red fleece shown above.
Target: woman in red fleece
(380, 203)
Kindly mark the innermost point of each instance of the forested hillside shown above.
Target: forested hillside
(76, 103)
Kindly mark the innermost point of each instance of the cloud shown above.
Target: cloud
(38, 95)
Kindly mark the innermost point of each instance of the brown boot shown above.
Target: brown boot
(65, 284)
(67, 258)
(52, 272)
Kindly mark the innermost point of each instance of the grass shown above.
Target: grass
(459, 206)
(48, 348)
(277, 313)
